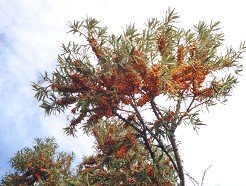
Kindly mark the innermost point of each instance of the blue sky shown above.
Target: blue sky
(31, 33)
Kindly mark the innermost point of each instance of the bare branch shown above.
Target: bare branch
(204, 174)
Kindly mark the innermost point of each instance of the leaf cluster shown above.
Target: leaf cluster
(42, 164)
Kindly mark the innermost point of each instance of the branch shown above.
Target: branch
(204, 174)
(152, 154)
(194, 182)
(174, 126)
(157, 113)
(136, 110)
(127, 122)
(142, 133)
(177, 159)
(174, 145)
(155, 110)
(144, 136)
(189, 108)
(171, 137)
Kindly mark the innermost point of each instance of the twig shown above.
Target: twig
(193, 180)
(127, 122)
(204, 174)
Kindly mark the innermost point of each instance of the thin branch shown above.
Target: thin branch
(204, 174)
(157, 113)
(127, 122)
(137, 112)
(154, 108)
(160, 145)
(191, 108)
(152, 154)
(174, 126)
(194, 182)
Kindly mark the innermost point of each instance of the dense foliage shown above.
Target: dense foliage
(119, 159)
(133, 90)
(40, 165)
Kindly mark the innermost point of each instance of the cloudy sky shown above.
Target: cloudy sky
(31, 33)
